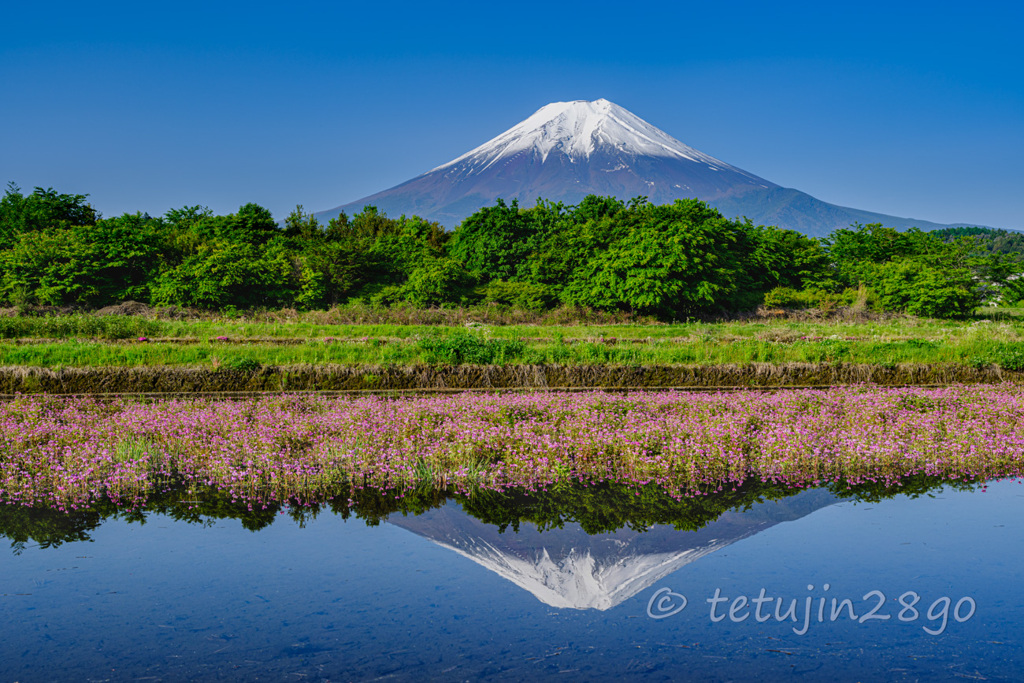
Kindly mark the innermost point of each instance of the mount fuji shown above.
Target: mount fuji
(567, 150)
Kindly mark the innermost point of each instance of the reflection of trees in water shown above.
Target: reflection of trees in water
(49, 528)
(605, 507)
(597, 508)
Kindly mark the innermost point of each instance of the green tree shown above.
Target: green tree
(228, 274)
(920, 289)
(437, 281)
(90, 265)
(29, 268)
(303, 226)
(855, 250)
(494, 241)
(785, 258)
(917, 272)
(675, 259)
(42, 210)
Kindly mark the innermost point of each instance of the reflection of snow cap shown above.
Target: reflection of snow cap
(578, 580)
(567, 568)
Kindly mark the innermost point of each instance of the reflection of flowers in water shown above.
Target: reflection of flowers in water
(73, 450)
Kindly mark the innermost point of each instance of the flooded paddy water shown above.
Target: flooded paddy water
(810, 586)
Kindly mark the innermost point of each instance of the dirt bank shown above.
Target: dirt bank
(175, 380)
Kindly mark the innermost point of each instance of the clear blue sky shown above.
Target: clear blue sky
(907, 108)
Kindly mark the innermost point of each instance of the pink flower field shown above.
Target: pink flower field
(69, 452)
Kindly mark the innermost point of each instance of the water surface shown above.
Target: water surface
(446, 596)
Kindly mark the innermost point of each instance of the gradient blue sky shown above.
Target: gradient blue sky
(912, 109)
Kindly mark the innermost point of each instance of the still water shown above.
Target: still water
(932, 584)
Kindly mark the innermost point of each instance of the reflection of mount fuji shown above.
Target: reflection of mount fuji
(568, 568)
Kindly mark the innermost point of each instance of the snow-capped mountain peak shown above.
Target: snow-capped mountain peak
(568, 150)
(577, 129)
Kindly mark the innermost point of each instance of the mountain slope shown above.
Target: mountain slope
(567, 150)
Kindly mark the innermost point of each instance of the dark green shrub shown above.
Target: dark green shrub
(242, 364)
(469, 348)
(78, 325)
(787, 297)
(1010, 358)
(529, 296)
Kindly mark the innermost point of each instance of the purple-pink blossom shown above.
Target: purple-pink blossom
(68, 452)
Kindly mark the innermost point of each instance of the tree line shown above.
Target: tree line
(671, 261)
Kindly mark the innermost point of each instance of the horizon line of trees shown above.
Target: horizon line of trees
(670, 261)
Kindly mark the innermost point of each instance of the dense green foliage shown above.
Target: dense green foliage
(910, 271)
(991, 240)
(672, 261)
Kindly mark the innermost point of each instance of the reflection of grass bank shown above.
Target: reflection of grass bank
(234, 376)
(71, 452)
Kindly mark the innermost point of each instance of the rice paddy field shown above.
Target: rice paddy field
(80, 341)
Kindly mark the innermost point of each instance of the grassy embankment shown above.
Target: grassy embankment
(89, 353)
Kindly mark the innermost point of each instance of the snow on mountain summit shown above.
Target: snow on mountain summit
(577, 129)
